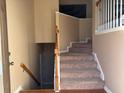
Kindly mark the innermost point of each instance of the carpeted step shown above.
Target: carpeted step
(75, 54)
(80, 50)
(74, 65)
(76, 73)
(81, 45)
(77, 57)
(79, 70)
(79, 83)
(83, 91)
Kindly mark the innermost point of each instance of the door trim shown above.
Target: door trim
(4, 47)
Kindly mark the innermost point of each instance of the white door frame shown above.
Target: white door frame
(4, 47)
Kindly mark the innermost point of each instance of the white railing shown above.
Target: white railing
(109, 15)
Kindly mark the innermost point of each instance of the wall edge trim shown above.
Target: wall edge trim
(107, 89)
(99, 67)
(70, 45)
(20, 88)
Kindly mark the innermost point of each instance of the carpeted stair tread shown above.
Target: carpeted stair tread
(75, 54)
(79, 62)
(76, 58)
(81, 45)
(81, 79)
(78, 69)
(80, 74)
(79, 83)
(80, 50)
(88, 64)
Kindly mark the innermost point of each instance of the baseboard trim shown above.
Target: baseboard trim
(107, 89)
(67, 49)
(70, 45)
(19, 89)
(99, 67)
(102, 73)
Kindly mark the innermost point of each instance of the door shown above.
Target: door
(4, 54)
(46, 65)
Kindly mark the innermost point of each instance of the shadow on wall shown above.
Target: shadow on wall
(0, 68)
(1, 80)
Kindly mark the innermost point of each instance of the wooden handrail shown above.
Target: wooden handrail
(57, 69)
(23, 66)
(57, 37)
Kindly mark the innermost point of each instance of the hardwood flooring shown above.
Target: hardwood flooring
(64, 91)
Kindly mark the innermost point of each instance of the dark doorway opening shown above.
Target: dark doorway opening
(74, 10)
(46, 59)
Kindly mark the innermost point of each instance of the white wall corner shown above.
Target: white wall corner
(99, 66)
(19, 89)
(100, 69)
(107, 89)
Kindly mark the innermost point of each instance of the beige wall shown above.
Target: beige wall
(45, 20)
(85, 28)
(1, 68)
(20, 17)
(88, 2)
(1, 84)
(109, 48)
(69, 30)
(73, 29)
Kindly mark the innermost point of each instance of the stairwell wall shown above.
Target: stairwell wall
(20, 17)
(72, 29)
(1, 84)
(109, 48)
(44, 11)
(85, 28)
(69, 30)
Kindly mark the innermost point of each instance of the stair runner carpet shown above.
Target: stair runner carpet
(79, 70)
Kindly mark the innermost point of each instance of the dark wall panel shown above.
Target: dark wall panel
(46, 58)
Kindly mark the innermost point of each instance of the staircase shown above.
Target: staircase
(79, 73)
